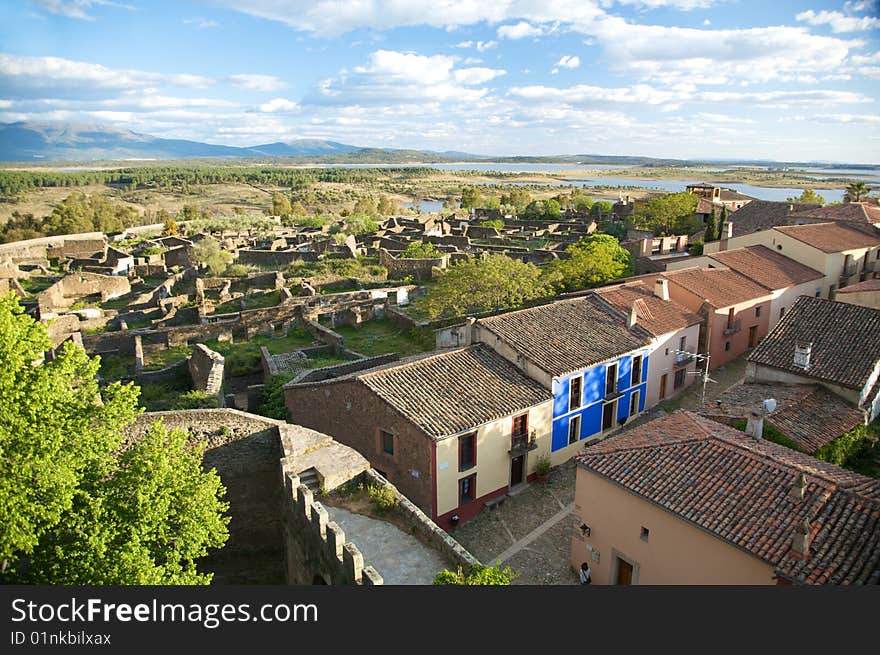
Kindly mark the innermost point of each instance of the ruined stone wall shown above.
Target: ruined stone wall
(274, 258)
(70, 288)
(420, 269)
(206, 369)
(450, 240)
(330, 372)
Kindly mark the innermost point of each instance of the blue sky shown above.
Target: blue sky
(777, 80)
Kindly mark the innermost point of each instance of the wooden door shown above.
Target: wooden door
(753, 336)
(624, 572)
(663, 386)
(516, 470)
(608, 415)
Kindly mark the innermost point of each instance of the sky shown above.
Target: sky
(720, 79)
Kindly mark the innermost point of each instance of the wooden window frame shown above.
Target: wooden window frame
(473, 464)
(473, 484)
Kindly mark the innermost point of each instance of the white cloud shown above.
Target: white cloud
(76, 8)
(845, 119)
(481, 46)
(279, 105)
(256, 82)
(400, 77)
(201, 23)
(568, 61)
(839, 22)
(521, 30)
(684, 5)
(464, 44)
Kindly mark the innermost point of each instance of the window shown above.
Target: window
(667, 352)
(467, 489)
(467, 451)
(520, 425)
(681, 344)
(645, 533)
(680, 377)
(726, 345)
(636, 377)
(574, 394)
(634, 403)
(832, 292)
(574, 428)
(818, 292)
(610, 379)
(781, 312)
(730, 319)
(757, 311)
(387, 442)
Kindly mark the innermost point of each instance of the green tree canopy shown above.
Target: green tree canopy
(471, 197)
(209, 252)
(280, 205)
(671, 213)
(516, 197)
(856, 192)
(595, 260)
(712, 226)
(483, 284)
(478, 574)
(170, 227)
(495, 222)
(808, 196)
(77, 504)
(86, 213)
(421, 250)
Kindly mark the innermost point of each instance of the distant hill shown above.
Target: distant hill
(35, 142)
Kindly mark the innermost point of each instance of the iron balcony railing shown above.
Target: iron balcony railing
(850, 268)
(522, 443)
(734, 327)
(683, 359)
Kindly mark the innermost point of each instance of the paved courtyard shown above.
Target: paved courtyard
(531, 530)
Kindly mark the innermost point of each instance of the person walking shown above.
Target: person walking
(586, 574)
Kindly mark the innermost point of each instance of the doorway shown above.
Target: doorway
(663, 386)
(608, 412)
(624, 572)
(753, 336)
(517, 466)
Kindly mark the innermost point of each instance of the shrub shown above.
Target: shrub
(845, 448)
(542, 465)
(383, 499)
(272, 399)
(421, 250)
(495, 222)
(238, 270)
(196, 400)
(478, 574)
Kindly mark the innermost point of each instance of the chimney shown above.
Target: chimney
(791, 208)
(469, 323)
(800, 539)
(799, 488)
(661, 288)
(802, 352)
(728, 230)
(633, 317)
(755, 425)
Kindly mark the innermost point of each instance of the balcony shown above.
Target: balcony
(682, 359)
(734, 327)
(872, 266)
(522, 443)
(849, 269)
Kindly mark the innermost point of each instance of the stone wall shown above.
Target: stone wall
(330, 372)
(70, 288)
(206, 369)
(420, 269)
(275, 258)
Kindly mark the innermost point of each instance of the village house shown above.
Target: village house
(592, 358)
(720, 196)
(866, 294)
(452, 429)
(844, 253)
(785, 278)
(736, 310)
(834, 344)
(682, 499)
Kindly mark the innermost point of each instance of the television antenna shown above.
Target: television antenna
(704, 373)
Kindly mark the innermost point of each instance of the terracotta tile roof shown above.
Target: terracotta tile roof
(567, 335)
(831, 237)
(766, 267)
(733, 194)
(450, 392)
(765, 214)
(810, 415)
(851, 212)
(655, 315)
(739, 489)
(719, 287)
(845, 341)
(705, 206)
(861, 287)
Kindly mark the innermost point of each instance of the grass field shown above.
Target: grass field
(382, 336)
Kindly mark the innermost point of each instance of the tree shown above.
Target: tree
(170, 227)
(722, 224)
(79, 505)
(189, 213)
(478, 574)
(516, 197)
(600, 209)
(209, 252)
(358, 225)
(365, 205)
(387, 206)
(808, 196)
(856, 192)
(491, 202)
(495, 222)
(280, 205)
(595, 260)
(671, 213)
(421, 250)
(471, 197)
(483, 284)
(711, 226)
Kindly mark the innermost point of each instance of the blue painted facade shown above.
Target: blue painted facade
(593, 397)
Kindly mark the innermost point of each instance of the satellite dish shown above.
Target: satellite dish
(769, 405)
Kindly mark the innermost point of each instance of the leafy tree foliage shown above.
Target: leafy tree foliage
(601, 209)
(479, 574)
(712, 226)
(491, 202)
(421, 250)
(543, 209)
(170, 227)
(280, 205)
(478, 285)
(495, 222)
(272, 400)
(617, 229)
(856, 192)
(386, 206)
(808, 197)
(595, 260)
(209, 252)
(77, 504)
(671, 213)
(359, 224)
(471, 197)
(365, 206)
(516, 197)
